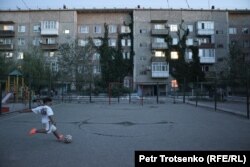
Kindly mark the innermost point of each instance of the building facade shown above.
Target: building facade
(211, 30)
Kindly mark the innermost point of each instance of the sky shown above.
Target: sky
(89, 4)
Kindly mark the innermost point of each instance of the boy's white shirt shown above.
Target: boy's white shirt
(49, 112)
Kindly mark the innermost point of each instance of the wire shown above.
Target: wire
(187, 4)
(25, 4)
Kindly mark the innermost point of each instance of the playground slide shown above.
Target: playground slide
(6, 97)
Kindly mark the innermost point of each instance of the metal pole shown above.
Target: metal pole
(196, 91)
(29, 92)
(157, 95)
(1, 98)
(247, 95)
(215, 95)
(184, 88)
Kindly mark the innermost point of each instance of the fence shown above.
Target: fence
(216, 93)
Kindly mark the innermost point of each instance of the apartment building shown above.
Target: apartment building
(207, 29)
(212, 30)
(239, 31)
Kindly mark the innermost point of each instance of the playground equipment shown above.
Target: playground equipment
(15, 86)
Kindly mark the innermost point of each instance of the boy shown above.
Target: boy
(48, 122)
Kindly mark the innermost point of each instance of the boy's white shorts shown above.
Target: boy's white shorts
(49, 127)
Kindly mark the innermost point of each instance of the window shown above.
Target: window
(36, 28)
(232, 30)
(36, 41)
(97, 29)
(49, 24)
(159, 54)
(159, 66)
(173, 27)
(51, 54)
(159, 26)
(189, 41)
(126, 42)
(159, 40)
(245, 30)
(96, 56)
(97, 42)
(112, 42)
(189, 55)
(206, 53)
(84, 29)
(174, 55)
(143, 31)
(125, 29)
(191, 28)
(96, 69)
(82, 42)
(5, 41)
(50, 41)
(112, 28)
(21, 28)
(66, 31)
(20, 55)
(126, 55)
(205, 25)
(8, 28)
(175, 41)
(8, 54)
(21, 42)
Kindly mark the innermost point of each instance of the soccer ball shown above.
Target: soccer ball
(68, 139)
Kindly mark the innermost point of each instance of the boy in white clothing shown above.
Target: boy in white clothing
(49, 124)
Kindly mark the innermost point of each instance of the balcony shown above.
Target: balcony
(49, 46)
(7, 33)
(207, 59)
(160, 74)
(207, 56)
(49, 32)
(6, 47)
(205, 27)
(160, 68)
(49, 28)
(205, 31)
(156, 45)
(159, 31)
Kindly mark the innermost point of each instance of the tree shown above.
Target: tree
(113, 67)
(76, 63)
(6, 65)
(180, 68)
(33, 66)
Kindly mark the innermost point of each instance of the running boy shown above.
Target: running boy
(49, 124)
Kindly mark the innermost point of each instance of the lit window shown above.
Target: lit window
(159, 54)
(174, 55)
(66, 31)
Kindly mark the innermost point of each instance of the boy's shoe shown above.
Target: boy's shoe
(32, 131)
(61, 138)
